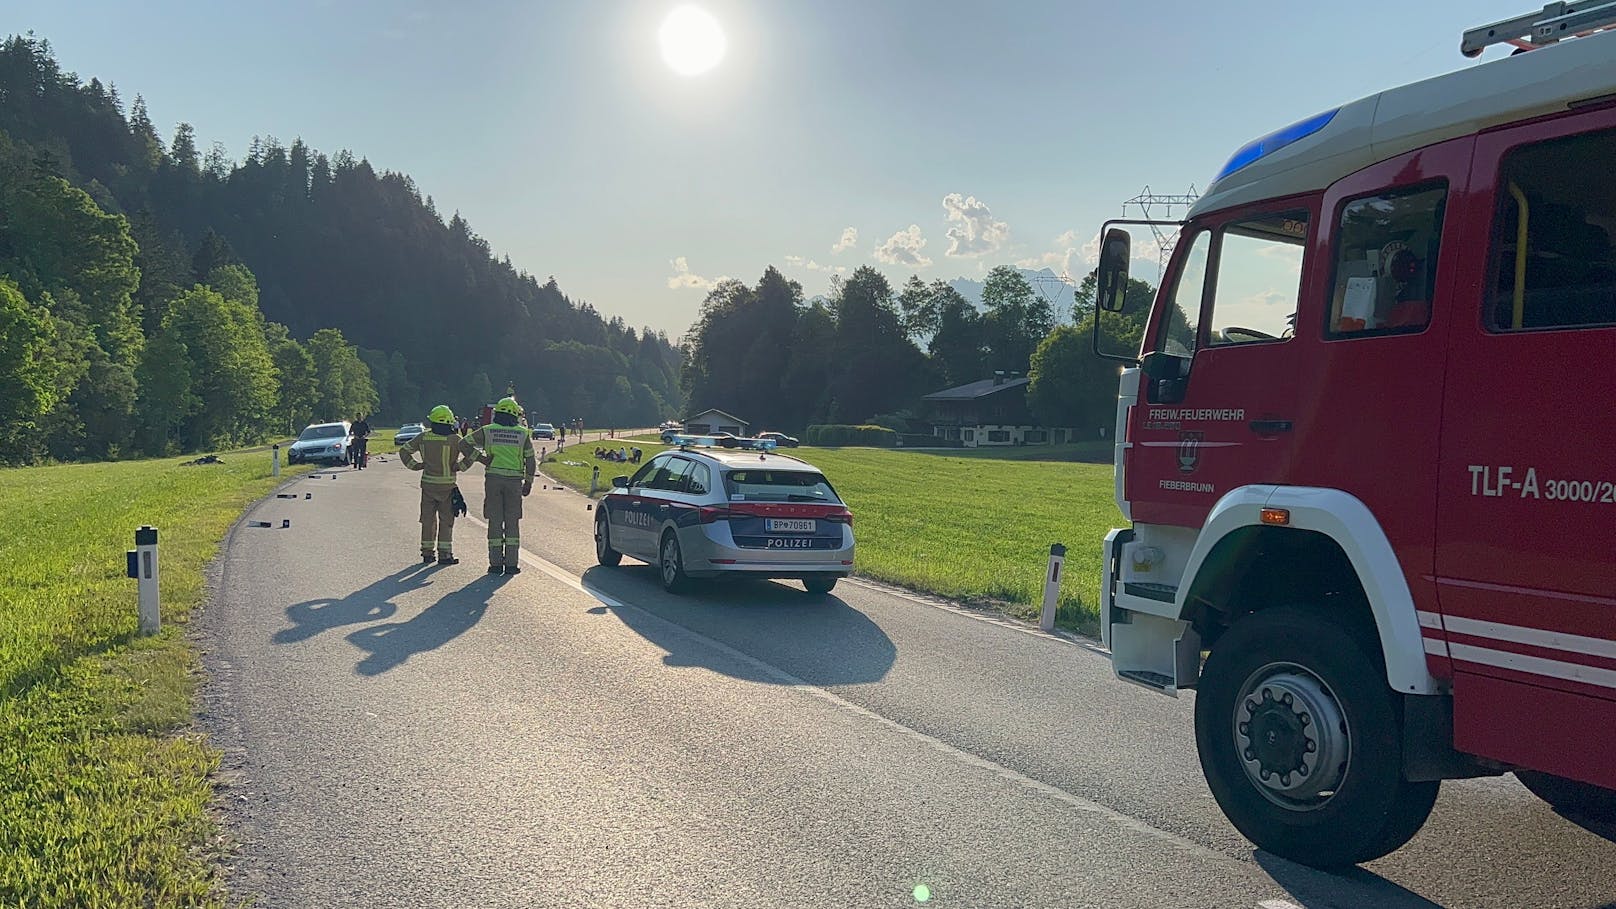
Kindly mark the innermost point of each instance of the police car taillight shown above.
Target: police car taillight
(841, 517)
(711, 513)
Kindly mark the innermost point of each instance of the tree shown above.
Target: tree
(165, 399)
(28, 373)
(342, 381)
(957, 341)
(1016, 319)
(232, 372)
(1073, 387)
(297, 390)
(211, 253)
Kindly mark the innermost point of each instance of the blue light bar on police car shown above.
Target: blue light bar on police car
(1257, 149)
(727, 442)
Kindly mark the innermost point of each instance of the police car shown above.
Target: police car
(706, 511)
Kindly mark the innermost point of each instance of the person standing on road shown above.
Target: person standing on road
(361, 437)
(509, 465)
(442, 453)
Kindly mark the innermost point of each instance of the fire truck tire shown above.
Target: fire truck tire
(1571, 797)
(1300, 740)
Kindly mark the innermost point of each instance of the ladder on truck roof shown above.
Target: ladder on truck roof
(1553, 22)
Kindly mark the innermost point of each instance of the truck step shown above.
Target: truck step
(1147, 678)
(1162, 593)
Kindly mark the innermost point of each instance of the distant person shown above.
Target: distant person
(635, 455)
(622, 455)
(361, 441)
(508, 478)
(442, 452)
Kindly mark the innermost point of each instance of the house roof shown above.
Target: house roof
(713, 410)
(976, 390)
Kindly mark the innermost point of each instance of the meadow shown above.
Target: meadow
(104, 792)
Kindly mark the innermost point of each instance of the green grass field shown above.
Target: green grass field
(103, 795)
(964, 525)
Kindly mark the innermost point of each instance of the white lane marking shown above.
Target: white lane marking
(1537, 637)
(1277, 904)
(1520, 662)
(780, 676)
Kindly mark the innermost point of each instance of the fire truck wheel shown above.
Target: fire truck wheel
(1570, 797)
(1299, 739)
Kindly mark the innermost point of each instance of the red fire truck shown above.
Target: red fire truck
(1367, 448)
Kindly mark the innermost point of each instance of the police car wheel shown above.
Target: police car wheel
(819, 586)
(1571, 797)
(604, 553)
(1300, 740)
(671, 565)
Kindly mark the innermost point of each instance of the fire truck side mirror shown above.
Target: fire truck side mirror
(1163, 366)
(1111, 281)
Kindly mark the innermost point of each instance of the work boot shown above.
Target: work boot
(427, 557)
(448, 560)
(495, 569)
(513, 569)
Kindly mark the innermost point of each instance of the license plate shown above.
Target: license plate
(789, 543)
(788, 525)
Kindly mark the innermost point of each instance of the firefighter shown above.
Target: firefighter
(442, 453)
(509, 464)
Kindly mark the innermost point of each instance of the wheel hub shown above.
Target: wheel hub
(1291, 735)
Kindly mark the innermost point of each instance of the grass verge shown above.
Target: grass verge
(967, 526)
(103, 802)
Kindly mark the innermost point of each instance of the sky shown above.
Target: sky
(929, 137)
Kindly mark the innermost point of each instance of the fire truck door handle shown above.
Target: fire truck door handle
(1270, 427)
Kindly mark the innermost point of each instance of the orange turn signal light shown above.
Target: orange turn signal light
(1276, 516)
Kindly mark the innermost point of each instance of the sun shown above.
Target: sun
(692, 41)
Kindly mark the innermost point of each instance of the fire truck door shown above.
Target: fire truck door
(1526, 520)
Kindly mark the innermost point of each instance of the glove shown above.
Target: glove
(417, 466)
(527, 487)
(460, 508)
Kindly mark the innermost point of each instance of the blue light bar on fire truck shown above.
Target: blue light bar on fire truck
(723, 442)
(1257, 149)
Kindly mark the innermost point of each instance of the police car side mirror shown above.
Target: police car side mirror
(620, 482)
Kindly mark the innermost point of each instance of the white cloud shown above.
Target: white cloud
(684, 279)
(973, 231)
(811, 265)
(904, 248)
(848, 241)
(1067, 256)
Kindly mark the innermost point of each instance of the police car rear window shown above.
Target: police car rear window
(753, 485)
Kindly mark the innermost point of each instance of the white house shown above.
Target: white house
(711, 421)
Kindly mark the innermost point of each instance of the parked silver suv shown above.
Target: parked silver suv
(705, 513)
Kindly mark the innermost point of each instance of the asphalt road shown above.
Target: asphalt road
(423, 737)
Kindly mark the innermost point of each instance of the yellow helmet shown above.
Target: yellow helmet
(441, 414)
(508, 405)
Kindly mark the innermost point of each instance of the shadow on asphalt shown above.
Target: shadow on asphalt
(820, 640)
(391, 643)
(1311, 887)
(367, 604)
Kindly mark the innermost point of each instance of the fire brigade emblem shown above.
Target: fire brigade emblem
(1189, 451)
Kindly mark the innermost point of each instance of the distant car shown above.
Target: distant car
(712, 512)
(407, 432)
(544, 431)
(321, 443)
(780, 439)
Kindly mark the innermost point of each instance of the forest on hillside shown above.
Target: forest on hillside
(156, 297)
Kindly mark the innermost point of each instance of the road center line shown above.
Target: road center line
(959, 755)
